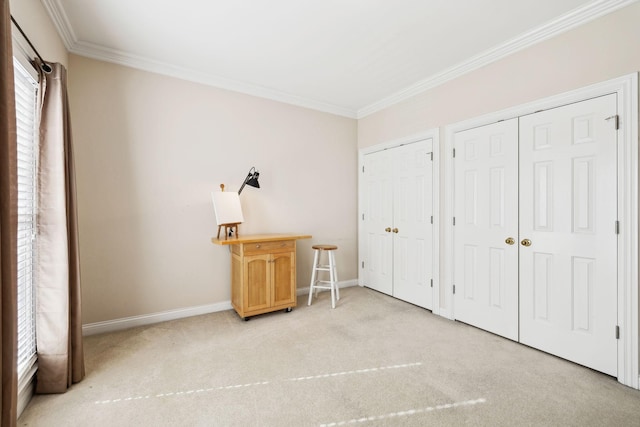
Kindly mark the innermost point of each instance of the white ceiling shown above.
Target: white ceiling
(348, 57)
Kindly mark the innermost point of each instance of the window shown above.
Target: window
(26, 88)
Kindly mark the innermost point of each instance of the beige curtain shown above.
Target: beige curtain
(8, 224)
(58, 311)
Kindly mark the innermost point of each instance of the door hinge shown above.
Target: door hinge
(454, 289)
(454, 220)
(617, 332)
(431, 219)
(363, 217)
(616, 120)
(432, 283)
(431, 154)
(363, 169)
(617, 227)
(454, 153)
(362, 264)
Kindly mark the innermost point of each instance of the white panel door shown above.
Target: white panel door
(568, 209)
(378, 218)
(412, 228)
(486, 227)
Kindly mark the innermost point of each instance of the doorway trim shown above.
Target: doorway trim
(433, 134)
(626, 88)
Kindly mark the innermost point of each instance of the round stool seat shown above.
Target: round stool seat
(325, 247)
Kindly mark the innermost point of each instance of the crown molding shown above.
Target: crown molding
(553, 28)
(90, 50)
(61, 22)
(562, 24)
(146, 64)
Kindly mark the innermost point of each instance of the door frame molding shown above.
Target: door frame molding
(433, 134)
(626, 87)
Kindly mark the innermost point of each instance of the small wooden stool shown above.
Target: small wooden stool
(332, 283)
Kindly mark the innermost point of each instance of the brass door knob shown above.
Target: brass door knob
(510, 241)
(395, 230)
(526, 242)
(388, 229)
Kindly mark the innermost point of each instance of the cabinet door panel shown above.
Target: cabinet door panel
(283, 278)
(256, 284)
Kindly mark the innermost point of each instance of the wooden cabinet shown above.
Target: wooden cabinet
(263, 277)
(263, 273)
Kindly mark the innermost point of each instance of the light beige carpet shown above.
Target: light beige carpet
(373, 361)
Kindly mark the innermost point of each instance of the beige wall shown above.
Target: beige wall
(149, 151)
(35, 22)
(151, 148)
(600, 50)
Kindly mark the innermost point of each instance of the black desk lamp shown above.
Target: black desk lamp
(251, 179)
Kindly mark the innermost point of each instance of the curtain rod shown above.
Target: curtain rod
(45, 67)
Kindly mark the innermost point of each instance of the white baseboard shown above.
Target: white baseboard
(149, 319)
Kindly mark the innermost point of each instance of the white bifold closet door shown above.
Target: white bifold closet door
(398, 222)
(535, 243)
(486, 201)
(378, 218)
(568, 211)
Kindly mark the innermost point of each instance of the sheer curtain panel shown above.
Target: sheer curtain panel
(8, 223)
(58, 311)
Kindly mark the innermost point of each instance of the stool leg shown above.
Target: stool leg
(318, 273)
(334, 273)
(313, 275)
(332, 279)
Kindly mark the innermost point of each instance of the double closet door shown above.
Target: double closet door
(535, 240)
(398, 215)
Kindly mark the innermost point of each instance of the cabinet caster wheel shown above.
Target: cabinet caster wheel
(288, 309)
(246, 319)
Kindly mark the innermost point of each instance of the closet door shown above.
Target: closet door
(412, 228)
(568, 209)
(397, 223)
(378, 175)
(486, 228)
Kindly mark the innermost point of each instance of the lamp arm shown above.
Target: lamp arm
(247, 179)
(243, 184)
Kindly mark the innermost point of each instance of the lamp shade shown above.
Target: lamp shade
(251, 179)
(227, 207)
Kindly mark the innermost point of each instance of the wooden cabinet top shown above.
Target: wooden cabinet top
(256, 238)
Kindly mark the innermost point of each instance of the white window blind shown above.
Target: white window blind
(26, 88)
